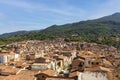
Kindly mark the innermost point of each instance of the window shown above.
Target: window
(43, 76)
(97, 63)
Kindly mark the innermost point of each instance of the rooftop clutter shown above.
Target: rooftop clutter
(60, 60)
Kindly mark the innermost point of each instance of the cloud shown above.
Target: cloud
(17, 3)
(40, 15)
(65, 9)
(32, 14)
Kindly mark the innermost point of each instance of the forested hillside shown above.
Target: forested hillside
(105, 30)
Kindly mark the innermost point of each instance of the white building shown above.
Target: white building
(4, 58)
(93, 76)
(16, 57)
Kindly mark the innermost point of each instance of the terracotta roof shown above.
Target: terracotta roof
(2, 66)
(62, 57)
(98, 68)
(87, 54)
(45, 58)
(49, 72)
(5, 51)
(2, 77)
(79, 60)
(74, 74)
(58, 78)
(11, 70)
(23, 75)
(4, 54)
(106, 62)
(11, 77)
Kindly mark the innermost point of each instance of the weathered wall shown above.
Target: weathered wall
(92, 76)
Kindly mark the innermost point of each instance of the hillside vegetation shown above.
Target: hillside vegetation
(105, 30)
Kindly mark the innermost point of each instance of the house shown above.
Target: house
(8, 70)
(90, 59)
(42, 60)
(58, 78)
(64, 59)
(2, 77)
(71, 54)
(30, 56)
(40, 66)
(44, 63)
(45, 74)
(59, 65)
(4, 58)
(41, 53)
(23, 75)
(74, 75)
(96, 73)
(16, 57)
(106, 63)
(61, 62)
(78, 64)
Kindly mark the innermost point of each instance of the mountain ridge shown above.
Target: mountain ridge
(113, 17)
(105, 30)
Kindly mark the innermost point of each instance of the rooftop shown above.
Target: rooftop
(58, 78)
(23, 75)
(49, 72)
(98, 68)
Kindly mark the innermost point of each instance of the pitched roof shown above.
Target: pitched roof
(74, 74)
(98, 68)
(11, 70)
(2, 77)
(87, 54)
(49, 72)
(23, 75)
(58, 78)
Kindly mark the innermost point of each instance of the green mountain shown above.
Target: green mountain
(114, 17)
(105, 30)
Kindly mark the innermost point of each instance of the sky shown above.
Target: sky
(18, 15)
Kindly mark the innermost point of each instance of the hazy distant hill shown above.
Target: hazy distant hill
(105, 30)
(5, 35)
(13, 33)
